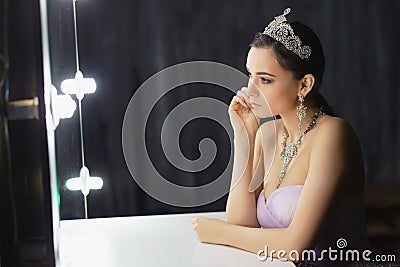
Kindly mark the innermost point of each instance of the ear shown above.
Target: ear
(306, 84)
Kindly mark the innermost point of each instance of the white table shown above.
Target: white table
(154, 240)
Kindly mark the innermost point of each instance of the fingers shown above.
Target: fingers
(240, 100)
(242, 94)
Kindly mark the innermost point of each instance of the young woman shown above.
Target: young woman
(311, 190)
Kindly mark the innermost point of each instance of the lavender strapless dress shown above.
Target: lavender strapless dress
(345, 219)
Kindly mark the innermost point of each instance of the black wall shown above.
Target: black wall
(122, 43)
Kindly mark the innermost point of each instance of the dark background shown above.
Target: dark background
(122, 43)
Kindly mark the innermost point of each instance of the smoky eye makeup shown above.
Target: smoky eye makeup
(262, 80)
(265, 80)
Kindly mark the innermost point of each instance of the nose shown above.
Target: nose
(252, 90)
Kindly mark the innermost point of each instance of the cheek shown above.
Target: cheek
(273, 96)
(278, 99)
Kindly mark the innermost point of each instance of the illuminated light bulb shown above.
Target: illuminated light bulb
(64, 106)
(61, 107)
(78, 86)
(84, 182)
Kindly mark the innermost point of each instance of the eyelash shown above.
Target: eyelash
(263, 80)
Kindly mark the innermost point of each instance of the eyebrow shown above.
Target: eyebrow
(261, 72)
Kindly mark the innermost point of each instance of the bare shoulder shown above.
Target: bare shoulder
(336, 125)
(338, 132)
(336, 142)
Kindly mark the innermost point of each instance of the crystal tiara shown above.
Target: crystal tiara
(281, 31)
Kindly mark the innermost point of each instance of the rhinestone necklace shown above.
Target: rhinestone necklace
(289, 152)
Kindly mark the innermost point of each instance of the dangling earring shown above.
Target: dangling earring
(290, 151)
(301, 114)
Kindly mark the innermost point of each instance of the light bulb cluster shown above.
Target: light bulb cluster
(63, 106)
(84, 182)
(78, 86)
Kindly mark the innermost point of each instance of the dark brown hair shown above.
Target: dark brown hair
(288, 60)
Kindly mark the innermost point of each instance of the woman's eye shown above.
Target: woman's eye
(265, 80)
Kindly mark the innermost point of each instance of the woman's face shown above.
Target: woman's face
(271, 88)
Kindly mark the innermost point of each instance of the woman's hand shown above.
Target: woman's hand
(242, 117)
(209, 230)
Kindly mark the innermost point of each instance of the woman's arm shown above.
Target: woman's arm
(241, 209)
(241, 204)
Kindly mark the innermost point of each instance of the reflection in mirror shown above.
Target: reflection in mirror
(79, 87)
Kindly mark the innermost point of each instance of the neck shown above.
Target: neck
(290, 120)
